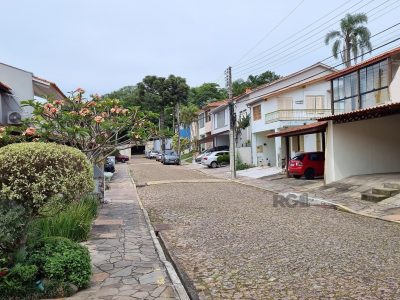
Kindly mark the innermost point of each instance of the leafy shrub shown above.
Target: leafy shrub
(241, 165)
(74, 222)
(34, 174)
(12, 226)
(19, 282)
(61, 260)
(223, 159)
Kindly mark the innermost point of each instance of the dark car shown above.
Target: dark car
(170, 157)
(109, 166)
(121, 158)
(309, 164)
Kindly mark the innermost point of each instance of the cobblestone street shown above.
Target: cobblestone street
(234, 244)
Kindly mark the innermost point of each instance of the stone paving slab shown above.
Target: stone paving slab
(125, 262)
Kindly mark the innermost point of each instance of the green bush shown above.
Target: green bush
(61, 260)
(12, 227)
(223, 159)
(74, 222)
(34, 174)
(19, 282)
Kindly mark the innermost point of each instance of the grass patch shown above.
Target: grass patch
(74, 222)
(187, 156)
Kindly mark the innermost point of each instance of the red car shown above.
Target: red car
(309, 164)
(121, 158)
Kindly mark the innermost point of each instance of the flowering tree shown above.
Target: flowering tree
(97, 126)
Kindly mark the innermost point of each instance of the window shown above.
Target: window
(208, 116)
(373, 82)
(257, 112)
(285, 103)
(315, 157)
(201, 120)
(315, 102)
(219, 118)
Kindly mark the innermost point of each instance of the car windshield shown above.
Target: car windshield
(169, 152)
(299, 157)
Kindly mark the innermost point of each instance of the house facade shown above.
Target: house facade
(298, 99)
(362, 132)
(204, 126)
(22, 85)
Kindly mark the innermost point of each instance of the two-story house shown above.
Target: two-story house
(297, 99)
(203, 128)
(363, 134)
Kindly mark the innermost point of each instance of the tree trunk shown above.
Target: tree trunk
(162, 122)
(347, 54)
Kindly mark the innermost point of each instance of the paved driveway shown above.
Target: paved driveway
(234, 244)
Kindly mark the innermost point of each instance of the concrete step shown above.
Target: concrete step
(369, 196)
(385, 191)
(392, 185)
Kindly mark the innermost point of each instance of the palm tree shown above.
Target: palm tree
(353, 38)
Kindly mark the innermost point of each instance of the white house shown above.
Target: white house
(297, 99)
(363, 134)
(220, 122)
(22, 85)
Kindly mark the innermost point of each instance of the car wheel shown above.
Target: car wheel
(309, 174)
(297, 176)
(214, 164)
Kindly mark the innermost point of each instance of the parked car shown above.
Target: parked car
(121, 158)
(199, 158)
(309, 164)
(170, 157)
(109, 166)
(210, 160)
(159, 156)
(153, 154)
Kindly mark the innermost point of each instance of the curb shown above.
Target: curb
(176, 282)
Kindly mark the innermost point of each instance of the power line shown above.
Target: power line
(319, 73)
(269, 32)
(285, 60)
(255, 58)
(285, 49)
(295, 52)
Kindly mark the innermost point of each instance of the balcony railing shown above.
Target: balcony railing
(296, 115)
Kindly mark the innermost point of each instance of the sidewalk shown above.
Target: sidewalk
(124, 258)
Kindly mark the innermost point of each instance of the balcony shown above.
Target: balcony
(296, 115)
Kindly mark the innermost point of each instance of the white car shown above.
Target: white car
(210, 160)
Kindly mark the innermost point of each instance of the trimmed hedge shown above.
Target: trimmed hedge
(34, 174)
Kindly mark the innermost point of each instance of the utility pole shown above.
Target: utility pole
(178, 121)
(232, 154)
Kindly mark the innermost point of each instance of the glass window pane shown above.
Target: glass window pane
(335, 83)
(354, 84)
(341, 87)
(347, 86)
(363, 80)
(377, 77)
(384, 73)
(339, 107)
(370, 78)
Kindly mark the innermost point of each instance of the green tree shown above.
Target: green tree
(163, 93)
(352, 39)
(207, 92)
(239, 86)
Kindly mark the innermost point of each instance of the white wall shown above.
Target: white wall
(268, 156)
(362, 147)
(244, 153)
(20, 82)
(394, 87)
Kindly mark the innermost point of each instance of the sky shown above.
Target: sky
(103, 45)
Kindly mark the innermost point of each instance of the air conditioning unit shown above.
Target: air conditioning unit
(14, 117)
